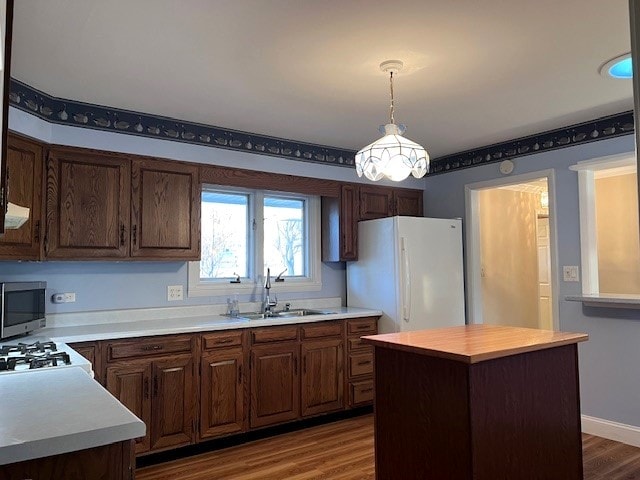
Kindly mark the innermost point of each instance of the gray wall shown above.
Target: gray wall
(610, 360)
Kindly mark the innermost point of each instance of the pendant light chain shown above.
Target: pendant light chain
(391, 107)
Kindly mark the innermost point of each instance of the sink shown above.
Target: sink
(300, 312)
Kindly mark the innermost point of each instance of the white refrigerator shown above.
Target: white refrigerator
(411, 269)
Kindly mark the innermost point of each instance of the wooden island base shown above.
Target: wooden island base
(476, 413)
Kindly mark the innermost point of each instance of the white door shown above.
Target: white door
(545, 318)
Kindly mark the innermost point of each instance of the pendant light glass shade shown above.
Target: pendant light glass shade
(392, 156)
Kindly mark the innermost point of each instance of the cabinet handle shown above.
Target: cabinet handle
(155, 386)
(362, 327)
(239, 374)
(304, 364)
(295, 365)
(365, 390)
(122, 235)
(226, 340)
(364, 362)
(152, 347)
(146, 388)
(134, 232)
(37, 232)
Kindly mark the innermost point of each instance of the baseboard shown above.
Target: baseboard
(619, 432)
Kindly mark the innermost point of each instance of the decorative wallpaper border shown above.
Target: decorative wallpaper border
(592, 131)
(86, 115)
(97, 117)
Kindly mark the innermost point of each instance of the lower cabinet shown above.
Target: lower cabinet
(275, 384)
(160, 393)
(188, 388)
(222, 398)
(108, 462)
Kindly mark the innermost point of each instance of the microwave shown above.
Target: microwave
(21, 307)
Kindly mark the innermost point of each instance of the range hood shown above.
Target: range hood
(15, 217)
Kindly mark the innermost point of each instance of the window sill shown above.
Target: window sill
(607, 300)
(219, 289)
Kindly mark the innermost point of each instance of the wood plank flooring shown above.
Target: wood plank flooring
(344, 450)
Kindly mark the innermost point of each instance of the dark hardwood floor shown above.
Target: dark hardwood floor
(344, 450)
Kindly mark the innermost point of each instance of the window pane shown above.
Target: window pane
(225, 220)
(284, 236)
(617, 233)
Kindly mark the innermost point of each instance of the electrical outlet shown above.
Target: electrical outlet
(570, 273)
(63, 297)
(174, 292)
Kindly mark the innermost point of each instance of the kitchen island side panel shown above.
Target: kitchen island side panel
(422, 418)
(525, 416)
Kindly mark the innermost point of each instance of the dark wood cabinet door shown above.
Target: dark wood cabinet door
(375, 202)
(349, 204)
(24, 188)
(165, 210)
(87, 205)
(130, 382)
(408, 202)
(222, 404)
(322, 376)
(173, 401)
(275, 384)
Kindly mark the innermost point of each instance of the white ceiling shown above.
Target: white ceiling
(479, 72)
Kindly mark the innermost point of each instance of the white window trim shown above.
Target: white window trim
(588, 171)
(311, 283)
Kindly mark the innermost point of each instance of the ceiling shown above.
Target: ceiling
(476, 72)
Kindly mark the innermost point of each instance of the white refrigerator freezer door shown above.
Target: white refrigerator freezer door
(433, 249)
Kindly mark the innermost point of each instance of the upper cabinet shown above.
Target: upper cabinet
(87, 205)
(6, 29)
(340, 216)
(107, 206)
(380, 202)
(165, 210)
(24, 168)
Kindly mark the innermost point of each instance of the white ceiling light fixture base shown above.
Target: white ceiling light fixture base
(392, 156)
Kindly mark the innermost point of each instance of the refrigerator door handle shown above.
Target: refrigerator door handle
(406, 281)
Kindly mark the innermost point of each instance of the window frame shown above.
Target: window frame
(196, 287)
(587, 204)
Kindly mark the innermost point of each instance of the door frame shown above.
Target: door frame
(472, 240)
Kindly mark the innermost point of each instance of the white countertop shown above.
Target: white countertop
(192, 324)
(54, 411)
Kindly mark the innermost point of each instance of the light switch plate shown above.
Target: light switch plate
(174, 292)
(570, 273)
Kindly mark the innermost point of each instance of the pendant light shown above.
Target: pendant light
(392, 156)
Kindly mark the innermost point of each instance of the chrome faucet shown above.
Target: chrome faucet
(268, 304)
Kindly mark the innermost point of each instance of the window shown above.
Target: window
(609, 226)
(246, 232)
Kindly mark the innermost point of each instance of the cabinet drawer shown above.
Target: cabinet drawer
(360, 364)
(324, 329)
(274, 334)
(360, 392)
(361, 327)
(222, 339)
(359, 345)
(145, 347)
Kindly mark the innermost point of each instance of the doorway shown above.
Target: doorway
(511, 267)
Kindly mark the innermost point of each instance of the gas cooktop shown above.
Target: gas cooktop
(24, 355)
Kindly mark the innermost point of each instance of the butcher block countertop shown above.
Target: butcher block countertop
(475, 343)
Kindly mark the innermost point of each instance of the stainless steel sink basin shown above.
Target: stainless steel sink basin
(301, 312)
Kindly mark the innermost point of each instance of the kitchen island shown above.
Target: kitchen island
(480, 402)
